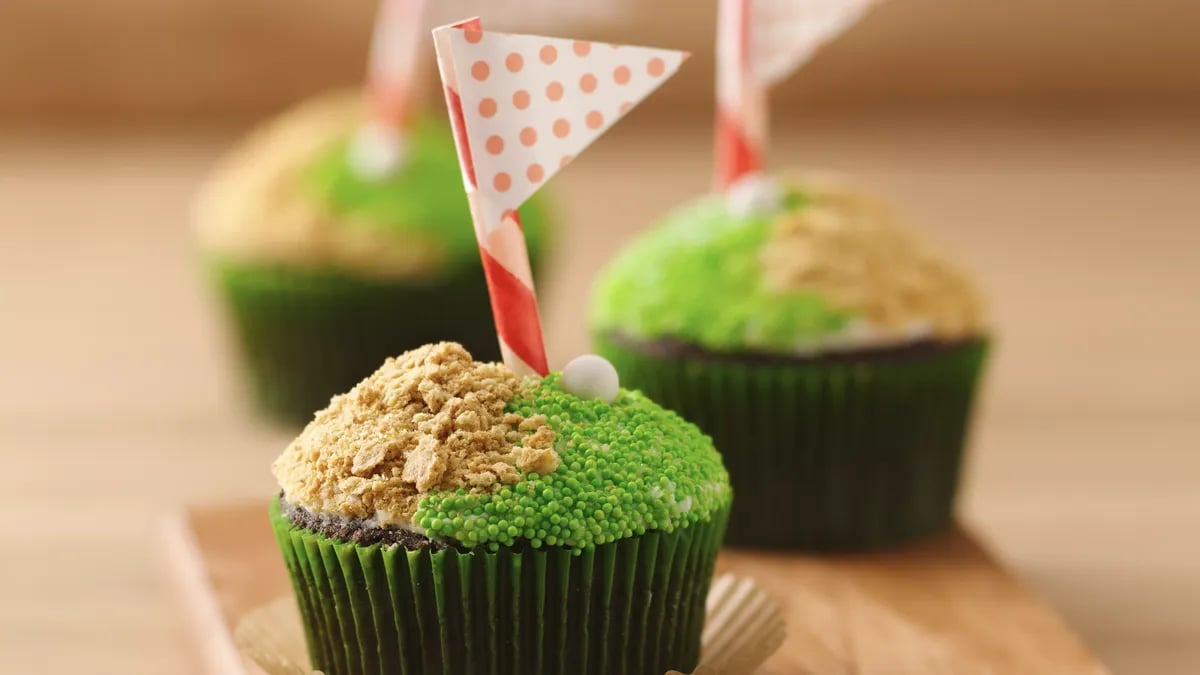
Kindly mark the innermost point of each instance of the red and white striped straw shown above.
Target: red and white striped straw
(741, 96)
(502, 248)
(522, 108)
(759, 44)
(396, 47)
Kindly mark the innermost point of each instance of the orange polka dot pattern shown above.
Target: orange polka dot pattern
(531, 104)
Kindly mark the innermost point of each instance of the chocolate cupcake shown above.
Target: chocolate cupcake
(830, 354)
(323, 266)
(447, 516)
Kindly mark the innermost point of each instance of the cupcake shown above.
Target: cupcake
(832, 356)
(323, 268)
(448, 516)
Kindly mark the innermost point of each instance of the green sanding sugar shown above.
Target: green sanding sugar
(697, 277)
(627, 468)
(425, 198)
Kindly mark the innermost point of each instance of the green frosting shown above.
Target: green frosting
(425, 198)
(627, 468)
(696, 277)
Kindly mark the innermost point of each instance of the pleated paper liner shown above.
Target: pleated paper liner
(744, 628)
(632, 607)
(306, 335)
(840, 454)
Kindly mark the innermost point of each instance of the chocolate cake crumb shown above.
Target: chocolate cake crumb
(357, 531)
(670, 348)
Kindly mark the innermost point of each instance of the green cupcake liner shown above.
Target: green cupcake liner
(843, 454)
(305, 336)
(632, 607)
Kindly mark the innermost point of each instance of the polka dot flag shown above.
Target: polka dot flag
(523, 107)
(532, 104)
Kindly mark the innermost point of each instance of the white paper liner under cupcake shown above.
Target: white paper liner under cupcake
(744, 626)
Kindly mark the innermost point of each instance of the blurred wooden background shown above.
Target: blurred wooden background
(1052, 145)
(204, 60)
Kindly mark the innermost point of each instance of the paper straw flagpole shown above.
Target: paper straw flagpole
(380, 145)
(741, 96)
(522, 107)
(759, 44)
(505, 256)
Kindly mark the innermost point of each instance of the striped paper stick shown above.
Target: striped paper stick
(502, 248)
(379, 147)
(759, 44)
(741, 97)
(522, 108)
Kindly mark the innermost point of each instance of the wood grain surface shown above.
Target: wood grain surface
(120, 405)
(943, 607)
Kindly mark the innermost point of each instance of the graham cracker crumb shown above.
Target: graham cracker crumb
(256, 206)
(431, 419)
(854, 251)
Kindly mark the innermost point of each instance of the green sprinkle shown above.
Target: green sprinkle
(626, 469)
(697, 277)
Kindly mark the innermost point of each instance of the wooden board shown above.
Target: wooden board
(943, 607)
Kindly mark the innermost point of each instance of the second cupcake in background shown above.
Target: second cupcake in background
(325, 270)
(832, 357)
(338, 235)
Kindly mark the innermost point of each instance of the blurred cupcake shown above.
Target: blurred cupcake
(329, 261)
(448, 516)
(830, 354)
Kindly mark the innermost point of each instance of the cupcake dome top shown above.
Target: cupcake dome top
(441, 445)
(288, 194)
(822, 268)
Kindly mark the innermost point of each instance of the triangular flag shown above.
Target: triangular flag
(531, 104)
(784, 34)
(523, 107)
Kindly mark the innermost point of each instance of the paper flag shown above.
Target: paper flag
(784, 34)
(532, 14)
(531, 104)
(398, 45)
(523, 107)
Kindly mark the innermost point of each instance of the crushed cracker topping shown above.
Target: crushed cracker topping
(853, 250)
(255, 208)
(432, 419)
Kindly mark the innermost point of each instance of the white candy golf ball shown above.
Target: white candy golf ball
(591, 376)
(376, 152)
(753, 195)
